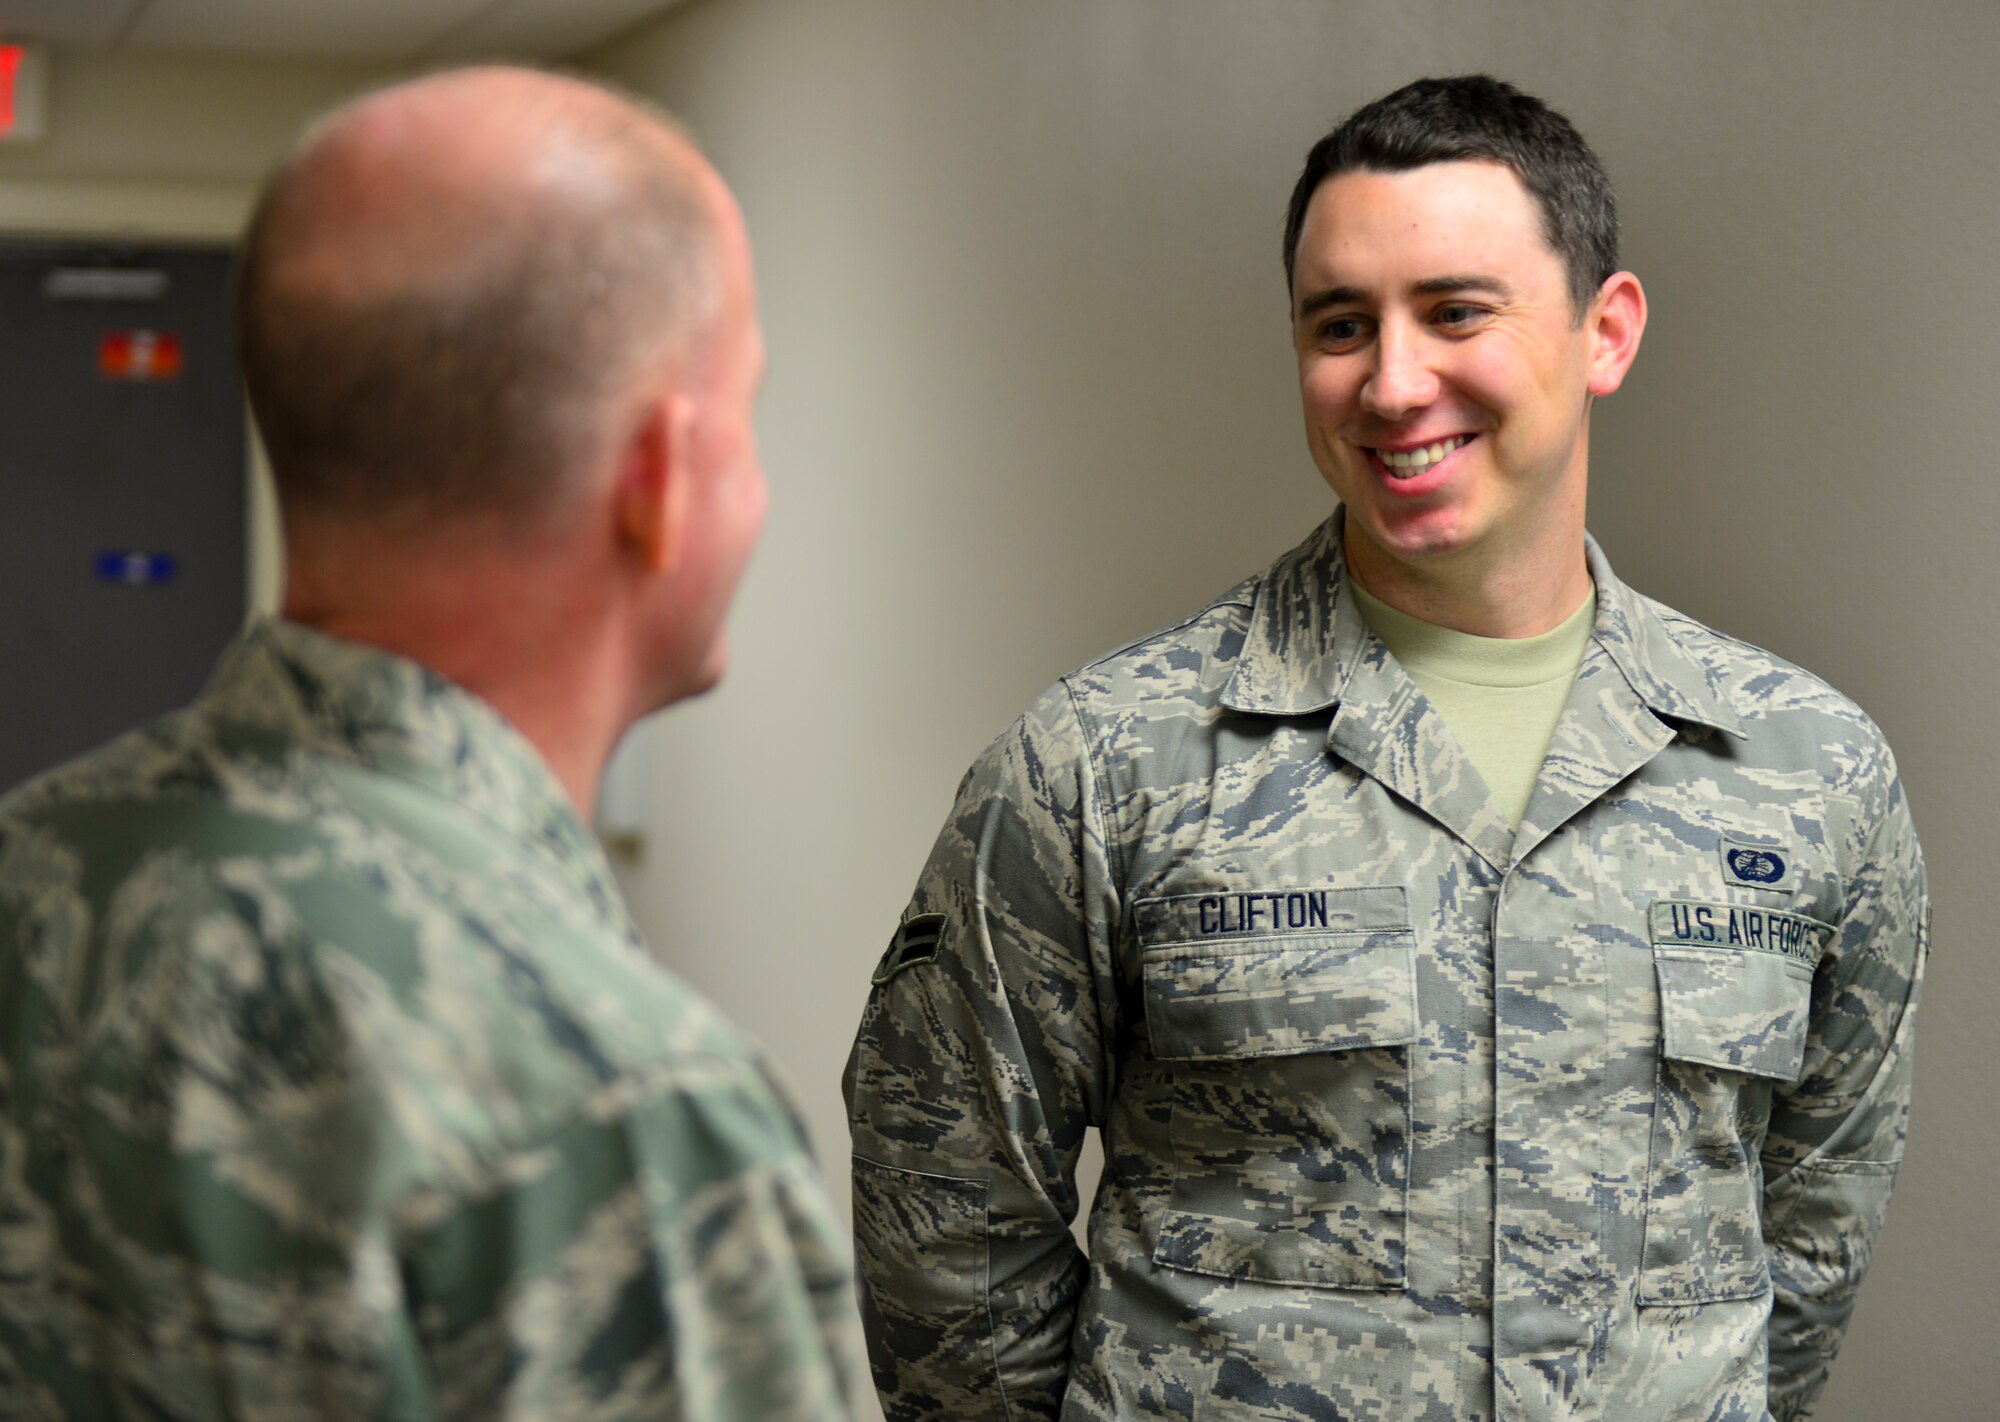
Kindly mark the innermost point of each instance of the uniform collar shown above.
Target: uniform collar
(1663, 673)
(1306, 634)
(362, 704)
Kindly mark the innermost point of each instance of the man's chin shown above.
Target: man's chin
(698, 680)
(1411, 537)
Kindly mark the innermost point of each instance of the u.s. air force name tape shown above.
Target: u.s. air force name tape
(1741, 926)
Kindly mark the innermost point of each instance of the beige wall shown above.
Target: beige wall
(170, 149)
(1030, 395)
(164, 146)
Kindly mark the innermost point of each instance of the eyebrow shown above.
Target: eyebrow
(1430, 286)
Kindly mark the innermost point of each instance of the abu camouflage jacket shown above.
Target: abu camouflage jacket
(1406, 1115)
(335, 1083)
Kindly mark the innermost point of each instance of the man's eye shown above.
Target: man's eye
(1458, 314)
(1341, 331)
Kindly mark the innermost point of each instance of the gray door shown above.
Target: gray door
(122, 553)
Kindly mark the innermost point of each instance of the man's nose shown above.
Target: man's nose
(1402, 380)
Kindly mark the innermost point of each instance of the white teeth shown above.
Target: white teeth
(1411, 462)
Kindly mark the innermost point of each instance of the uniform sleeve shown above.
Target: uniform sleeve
(1836, 1137)
(668, 1253)
(978, 1068)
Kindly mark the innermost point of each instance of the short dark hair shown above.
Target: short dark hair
(481, 389)
(1475, 116)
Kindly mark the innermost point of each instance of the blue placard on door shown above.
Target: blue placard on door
(135, 567)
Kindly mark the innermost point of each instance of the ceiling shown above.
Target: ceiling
(396, 31)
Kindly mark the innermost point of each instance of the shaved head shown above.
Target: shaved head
(452, 288)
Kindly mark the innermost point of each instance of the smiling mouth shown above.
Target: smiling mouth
(1409, 463)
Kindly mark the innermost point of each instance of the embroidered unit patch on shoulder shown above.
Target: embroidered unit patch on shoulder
(1757, 866)
(916, 941)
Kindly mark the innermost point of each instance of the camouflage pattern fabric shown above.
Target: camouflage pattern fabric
(335, 1083)
(1406, 1115)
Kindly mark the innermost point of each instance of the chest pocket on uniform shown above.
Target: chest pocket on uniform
(1287, 1033)
(1735, 988)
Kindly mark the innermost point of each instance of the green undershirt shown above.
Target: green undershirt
(1501, 696)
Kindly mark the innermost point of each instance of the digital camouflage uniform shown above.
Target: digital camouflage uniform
(334, 1082)
(1406, 1116)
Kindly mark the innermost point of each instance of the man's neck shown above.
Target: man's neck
(555, 678)
(1521, 598)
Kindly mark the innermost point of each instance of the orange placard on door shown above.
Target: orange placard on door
(139, 355)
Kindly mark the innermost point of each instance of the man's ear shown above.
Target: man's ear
(1617, 321)
(654, 484)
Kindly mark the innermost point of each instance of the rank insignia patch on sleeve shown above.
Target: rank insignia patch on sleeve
(916, 941)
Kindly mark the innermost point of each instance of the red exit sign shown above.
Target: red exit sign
(23, 89)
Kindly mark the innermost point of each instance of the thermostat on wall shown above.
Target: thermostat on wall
(24, 72)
